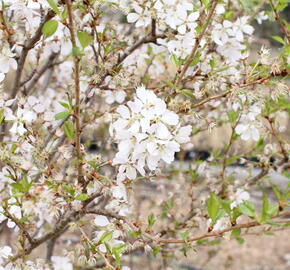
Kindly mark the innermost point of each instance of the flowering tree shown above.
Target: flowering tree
(144, 78)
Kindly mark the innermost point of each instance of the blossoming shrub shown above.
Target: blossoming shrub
(146, 78)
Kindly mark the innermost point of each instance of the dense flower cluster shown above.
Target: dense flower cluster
(146, 133)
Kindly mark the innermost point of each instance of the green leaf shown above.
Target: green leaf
(49, 28)
(247, 208)
(106, 236)
(206, 3)
(117, 252)
(65, 105)
(176, 61)
(62, 115)
(69, 190)
(82, 197)
(226, 206)
(240, 240)
(23, 186)
(151, 220)
(232, 115)
(53, 5)
(187, 93)
(184, 235)
(85, 39)
(272, 210)
(236, 232)
(69, 129)
(78, 52)
(213, 206)
(1, 116)
(279, 39)
(156, 251)
(195, 60)
(277, 191)
(135, 234)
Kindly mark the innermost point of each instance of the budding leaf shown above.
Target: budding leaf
(279, 39)
(85, 39)
(247, 208)
(151, 220)
(187, 93)
(236, 232)
(1, 115)
(78, 52)
(69, 129)
(213, 206)
(49, 28)
(82, 197)
(53, 5)
(107, 236)
(61, 115)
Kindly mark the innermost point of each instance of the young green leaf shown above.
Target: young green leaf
(1, 116)
(53, 5)
(82, 197)
(69, 129)
(247, 208)
(213, 206)
(78, 52)
(61, 115)
(279, 39)
(151, 220)
(106, 236)
(49, 28)
(85, 39)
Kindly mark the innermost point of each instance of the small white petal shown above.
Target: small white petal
(101, 221)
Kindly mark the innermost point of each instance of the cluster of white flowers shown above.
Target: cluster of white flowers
(229, 37)
(7, 62)
(176, 14)
(146, 133)
(247, 127)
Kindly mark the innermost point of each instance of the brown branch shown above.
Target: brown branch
(105, 213)
(38, 73)
(19, 225)
(77, 112)
(280, 21)
(218, 233)
(28, 45)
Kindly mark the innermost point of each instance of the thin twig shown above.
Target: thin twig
(197, 42)
(77, 112)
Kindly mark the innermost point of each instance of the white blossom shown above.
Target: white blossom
(146, 132)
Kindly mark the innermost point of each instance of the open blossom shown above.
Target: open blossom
(240, 27)
(114, 96)
(220, 33)
(247, 126)
(239, 196)
(22, 116)
(101, 221)
(7, 62)
(146, 133)
(61, 263)
(5, 252)
(222, 223)
(141, 16)
(248, 131)
(261, 17)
